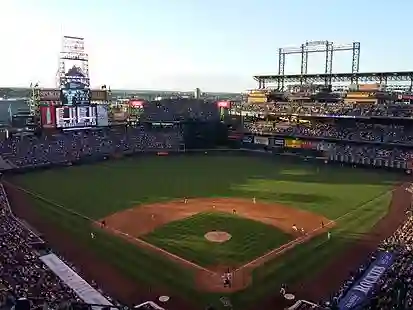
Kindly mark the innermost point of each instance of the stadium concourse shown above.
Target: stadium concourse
(32, 275)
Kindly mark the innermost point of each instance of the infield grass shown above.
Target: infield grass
(102, 189)
(249, 239)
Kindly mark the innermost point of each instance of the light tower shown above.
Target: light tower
(34, 100)
(73, 64)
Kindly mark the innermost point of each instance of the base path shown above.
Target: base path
(89, 265)
(135, 222)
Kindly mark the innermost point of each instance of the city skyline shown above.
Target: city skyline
(181, 45)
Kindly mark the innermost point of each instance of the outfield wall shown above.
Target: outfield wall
(315, 156)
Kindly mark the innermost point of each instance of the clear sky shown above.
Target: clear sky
(217, 45)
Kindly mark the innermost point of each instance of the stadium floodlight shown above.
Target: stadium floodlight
(326, 47)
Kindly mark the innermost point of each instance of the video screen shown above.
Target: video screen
(73, 97)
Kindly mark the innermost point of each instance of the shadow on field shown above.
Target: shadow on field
(286, 197)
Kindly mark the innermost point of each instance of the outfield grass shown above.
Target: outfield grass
(185, 238)
(102, 189)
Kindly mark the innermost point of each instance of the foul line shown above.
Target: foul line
(115, 231)
(287, 246)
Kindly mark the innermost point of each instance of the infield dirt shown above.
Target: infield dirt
(118, 285)
(141, 220)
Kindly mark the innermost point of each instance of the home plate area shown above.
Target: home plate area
(220, 239)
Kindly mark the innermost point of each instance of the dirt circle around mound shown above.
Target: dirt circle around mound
(217, 236)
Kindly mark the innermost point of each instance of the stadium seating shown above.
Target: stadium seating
(22, 273)
(22, 270)
(60, 148)
(392, 289)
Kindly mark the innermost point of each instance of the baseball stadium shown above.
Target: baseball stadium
(296, 196)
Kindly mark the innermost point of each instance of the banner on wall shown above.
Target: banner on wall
(248, 139)
(261, 140)
(361, 289)
(279, 142)
(293, 143)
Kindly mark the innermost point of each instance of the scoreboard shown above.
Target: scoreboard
(75, 117)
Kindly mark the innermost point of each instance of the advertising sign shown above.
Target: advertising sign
(248, 139)
(49, 94)
(279, 142)
(361, 289)
(293, 143)
(223, 104)
(136, 103)
(261, 140)
(48, 116)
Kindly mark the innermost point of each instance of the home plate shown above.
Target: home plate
(289, 296)
(163, 298)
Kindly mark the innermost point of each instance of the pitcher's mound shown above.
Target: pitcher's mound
(217, 236)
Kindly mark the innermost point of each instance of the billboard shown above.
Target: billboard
(49, 94)
(361, 290)
(134, 103)
(261, 140)
(223, 104)
(75, 117)
(48, 116)
(293, 143)
(257, 97)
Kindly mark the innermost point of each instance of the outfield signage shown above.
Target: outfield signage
(261, 140)
(359, 292)
(248, 139)
(82, 289)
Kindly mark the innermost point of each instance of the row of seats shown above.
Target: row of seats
(394, 289)
(360, 132)
(171, 110)
(329, 109)
(71, 146)
(22, 274)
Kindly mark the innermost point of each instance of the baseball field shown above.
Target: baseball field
(174, 225)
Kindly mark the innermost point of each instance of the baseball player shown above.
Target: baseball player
(254, 201)
(153, 216)
(234, 211)
(186, 200)
(303, 231)
(295, 228)
(92, 235)
(329, 235)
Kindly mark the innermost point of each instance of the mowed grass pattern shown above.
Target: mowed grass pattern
(185, 238)
(105, 188)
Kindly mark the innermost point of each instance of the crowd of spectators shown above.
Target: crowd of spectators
(327, 109)
(22, 273)
(173, 110)
(72, 146)
(354, 131)
(393, 289)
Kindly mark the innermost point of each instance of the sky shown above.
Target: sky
(216, 45)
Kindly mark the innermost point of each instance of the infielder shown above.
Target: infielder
(186, 200)
(254, 201)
